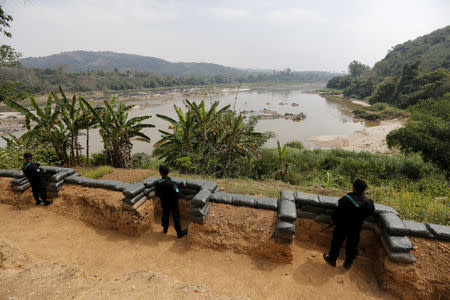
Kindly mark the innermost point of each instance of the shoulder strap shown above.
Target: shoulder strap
(28, 164)
(351, 199)
(162, 180)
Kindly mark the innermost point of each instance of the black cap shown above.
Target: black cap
(163, 169)
(360, 185)
(27, 155)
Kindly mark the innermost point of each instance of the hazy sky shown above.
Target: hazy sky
(302, 35)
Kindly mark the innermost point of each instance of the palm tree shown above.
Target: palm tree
(117, 131)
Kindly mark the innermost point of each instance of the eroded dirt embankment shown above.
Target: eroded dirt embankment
(55, 234)
(427, 279)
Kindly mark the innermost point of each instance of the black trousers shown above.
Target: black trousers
(39, 191)
(171, 207)
(351, 248)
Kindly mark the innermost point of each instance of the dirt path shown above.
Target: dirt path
(107, 255)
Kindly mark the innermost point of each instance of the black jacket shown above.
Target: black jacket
(166, 190)
(33, 172)
(351, 214)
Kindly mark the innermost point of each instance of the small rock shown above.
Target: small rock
(133, 288)
(314, 253)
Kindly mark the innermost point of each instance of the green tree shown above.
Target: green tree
(357, 69)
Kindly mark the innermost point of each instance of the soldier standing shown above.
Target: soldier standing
(348, 217)
(167, 191)
(33, 172)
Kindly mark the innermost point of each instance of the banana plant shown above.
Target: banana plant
(283, 164)
(117, 131)
(44, 123)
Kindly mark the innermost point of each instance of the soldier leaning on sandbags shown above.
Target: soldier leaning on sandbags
(33, 172)
(167, 191)
(348, 217)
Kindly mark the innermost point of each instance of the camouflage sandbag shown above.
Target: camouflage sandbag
(200, 211)
(221, 197)
(134, 189)
(287, 210)
(392, 224)
(134, 200)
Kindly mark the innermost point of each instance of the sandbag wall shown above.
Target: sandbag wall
(290, 205)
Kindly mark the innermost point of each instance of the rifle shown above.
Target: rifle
(328, 226)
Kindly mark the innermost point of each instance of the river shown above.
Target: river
(324, 115)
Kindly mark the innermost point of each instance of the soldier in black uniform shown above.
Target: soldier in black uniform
(33, 173)
(167, 191)
(348, 217)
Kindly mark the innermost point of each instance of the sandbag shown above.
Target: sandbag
(285, 228)
(329, 211)
(243, 200)
(328, 202)
(51, 170)
(397, 243)
(149, 191)
(315, 209)
(186, 191)
(209, 185)
(134, 189)
(306, 214)
(149, 181)
(11, 173)
(306, 199)
(200, 211)
(404, 257)
(197, 219)
(56, 185)
(392, 224)
(19, 181)
(221, 197)
(287, 195)
(195, 184)
(180, 182)
(417, 229)
(266, 203)
(287, 211)
(61, 175)
(21, 188)
(73, 179)
(132, 201)
(380, 208)
(201, 198)
(323, 218)
(440, 232)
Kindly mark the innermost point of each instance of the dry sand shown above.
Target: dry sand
(372, 139)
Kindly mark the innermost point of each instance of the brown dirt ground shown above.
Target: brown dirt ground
(231, 255)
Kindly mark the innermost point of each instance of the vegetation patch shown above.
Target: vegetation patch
(96, 173)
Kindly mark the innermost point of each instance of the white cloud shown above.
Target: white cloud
(228, 13)
(292, 15)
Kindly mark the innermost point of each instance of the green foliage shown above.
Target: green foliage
(339, 82)
(427, 131)
(96, 173)
(295, 145)
(98, 159)
(11, 156)
(10, 90)
(360, 88)
(9, 57)
(144, 161)
(357, 69)
(430, 49)
(210, 141)
(5, 19)
(117, 131)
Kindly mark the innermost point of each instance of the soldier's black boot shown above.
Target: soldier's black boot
(38, 202)
(182, 233)
(329, 260)
(347, 264)
(47, 203)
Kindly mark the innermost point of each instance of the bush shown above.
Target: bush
(98, 159)
(295, 145)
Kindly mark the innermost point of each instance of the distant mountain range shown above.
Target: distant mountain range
(78, 61)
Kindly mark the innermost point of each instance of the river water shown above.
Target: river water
(324, 116)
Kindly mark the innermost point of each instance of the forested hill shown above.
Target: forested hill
(432, 50)
(81, 61)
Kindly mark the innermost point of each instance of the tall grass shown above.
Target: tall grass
(97, 172)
